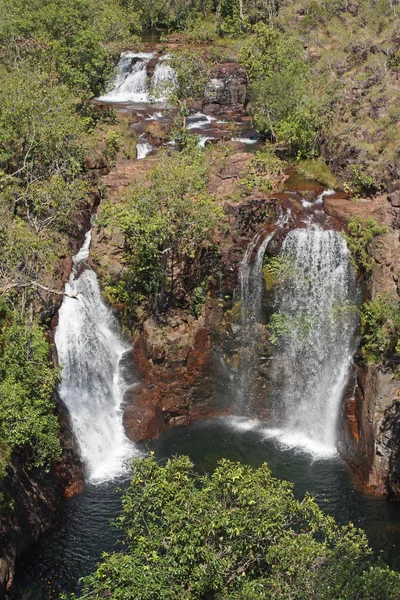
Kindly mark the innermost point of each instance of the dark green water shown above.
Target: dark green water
(82, 531)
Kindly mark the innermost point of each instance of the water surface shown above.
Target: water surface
(82, 531)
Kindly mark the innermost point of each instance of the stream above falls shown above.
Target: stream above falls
(82, 531)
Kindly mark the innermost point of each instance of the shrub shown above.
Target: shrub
(238, 533)
(380, 325)
(360, 234)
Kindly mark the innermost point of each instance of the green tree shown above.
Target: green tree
(360, 233)
(165, 224)
(69, 37)
(238, 533)
(27, 384)
(282, 103)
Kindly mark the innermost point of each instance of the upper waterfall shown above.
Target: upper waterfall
(132, 83)
(93, 382)
(317, 319)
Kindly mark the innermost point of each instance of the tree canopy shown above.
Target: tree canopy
(237, 533)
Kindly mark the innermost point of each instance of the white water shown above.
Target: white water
(203, 140)
(163, 81)
(131, 83)
(91, 354)
(143, 149)
(199, 120)
(318, 201)
(313, 356)
(245, 140)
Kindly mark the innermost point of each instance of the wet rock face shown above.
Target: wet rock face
(178, 376)
(370, 430)
(369, 436)
(226, 90)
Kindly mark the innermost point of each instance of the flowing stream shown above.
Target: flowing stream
(132, 83)
(94, 376)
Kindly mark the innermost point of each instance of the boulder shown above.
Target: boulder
(394, 198)
(226, 90)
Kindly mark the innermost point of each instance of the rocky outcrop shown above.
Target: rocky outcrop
(371, 430)
(226, 90)
(370, 423)
(31, 499)
(179, 374)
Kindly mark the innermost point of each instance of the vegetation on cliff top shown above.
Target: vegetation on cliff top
(168, 223)
(238, 533)
(54, 57)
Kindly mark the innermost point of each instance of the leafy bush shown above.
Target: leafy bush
(277, 270)
(263, 173)
(191, 73)
(360, 183)
(199, 296)
(281, 100)
(318, 170)
(380, 323)
(359, 235)
(27, 383)
(164, 225)
(238, 533)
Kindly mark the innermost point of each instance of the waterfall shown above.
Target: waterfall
(162, 82)
(251, 279)
(143, 148)
(91, 354)
(131, 83)
(317, 320)
(251, 282)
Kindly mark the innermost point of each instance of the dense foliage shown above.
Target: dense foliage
(380, 322)
(27, 382)
(165, 225)
(237, 533)
(360, 233)
(282, 99)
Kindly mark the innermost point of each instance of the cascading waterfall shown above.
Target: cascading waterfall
(93, 381)
(163, 80)
(131, 83)
(317, 321)
(143, 148)
(251, 285)
(251, 278)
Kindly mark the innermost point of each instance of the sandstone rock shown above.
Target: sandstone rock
(97, 163)
(394, 198)
(35, 495)
(226, 90)
(143, 418)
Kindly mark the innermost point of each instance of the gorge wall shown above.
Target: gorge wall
(33, 496)
(369, 432)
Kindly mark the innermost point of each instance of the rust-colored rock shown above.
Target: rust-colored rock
(226, 89)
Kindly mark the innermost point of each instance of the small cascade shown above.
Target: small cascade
(93, 379)
(315, 311)
(251, 283)
(143, 148)
(163, 81)
(203, 140)
(251, 291)
(132, 82)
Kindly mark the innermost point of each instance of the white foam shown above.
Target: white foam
(93, 383)
(242, 423)
(244, 140)
(298, 441)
